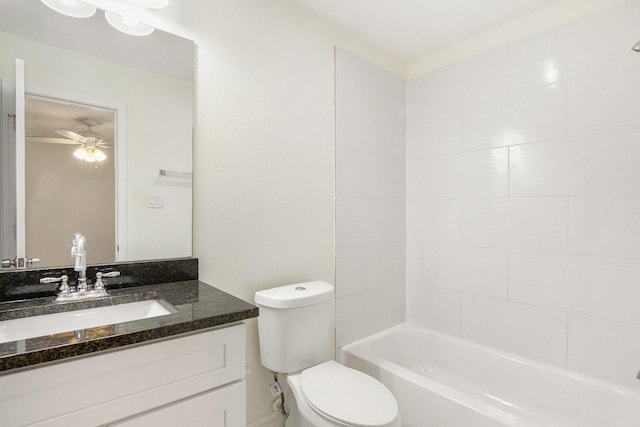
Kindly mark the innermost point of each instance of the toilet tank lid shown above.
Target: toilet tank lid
(296, 295)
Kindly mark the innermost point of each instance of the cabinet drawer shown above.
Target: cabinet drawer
(222, 407)
(110, 386)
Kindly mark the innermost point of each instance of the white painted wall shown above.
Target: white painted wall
(370, 202)
(523, 222)
(51, 168)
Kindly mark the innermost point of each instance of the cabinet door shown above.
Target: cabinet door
(110, 386)
(223, 407)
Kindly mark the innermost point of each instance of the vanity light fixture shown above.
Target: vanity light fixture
(128, 24)
(73, 8)
(636, 47)
(123, 17)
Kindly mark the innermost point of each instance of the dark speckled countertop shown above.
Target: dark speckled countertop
(198, 306)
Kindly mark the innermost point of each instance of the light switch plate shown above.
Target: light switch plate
(155, 201)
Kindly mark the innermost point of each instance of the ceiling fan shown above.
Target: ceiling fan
(91, 142)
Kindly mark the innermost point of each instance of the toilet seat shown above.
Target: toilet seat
(347, 396)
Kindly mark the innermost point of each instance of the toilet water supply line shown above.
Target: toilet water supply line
(276, 390)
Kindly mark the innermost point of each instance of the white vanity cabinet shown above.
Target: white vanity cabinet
(194, 380)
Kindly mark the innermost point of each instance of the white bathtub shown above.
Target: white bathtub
(443, 381)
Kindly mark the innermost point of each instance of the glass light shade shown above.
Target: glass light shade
(80, 152)
(127, 24)
(151, 4)
(73, 8)
(100, 156)
(90, 154)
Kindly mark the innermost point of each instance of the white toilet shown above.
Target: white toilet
(295, 327)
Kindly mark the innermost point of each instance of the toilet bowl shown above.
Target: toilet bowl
(295, 329)
(332, 395)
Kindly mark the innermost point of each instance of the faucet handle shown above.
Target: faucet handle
(64, 284)
(99, 283)
(110, 274)
(62, 278)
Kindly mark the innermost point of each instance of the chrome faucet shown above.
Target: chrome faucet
(82, 291)
(79, 252)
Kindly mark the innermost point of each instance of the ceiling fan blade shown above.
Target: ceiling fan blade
(103, 145)
(71, 135)
(51, 140)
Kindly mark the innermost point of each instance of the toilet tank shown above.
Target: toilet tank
(295, 325)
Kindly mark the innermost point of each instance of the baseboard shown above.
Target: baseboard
(272, 420)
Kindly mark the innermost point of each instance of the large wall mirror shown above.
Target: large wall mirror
(108, 138)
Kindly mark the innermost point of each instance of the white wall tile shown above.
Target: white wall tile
(387, 265)
(352, 172)
(535, 60)
(603, 104)
(363, 314)
(532, 115)
(480, 271)
(475, 174)
(359, 81)
(414, 180)
(363, 127)
(432, 133)
(439, 90)
(436, 221)
(370, 199)
(369, 175)
(365, 268)
(351, 270)
(533, 332)
(605, 349)
(414, 262)
(539, 61)
(482, 77)
(535, 223)
(433, 308)
(386, 178)
(596, 163)
(370, 107)
(602, 286)
(569, 217)
(605, 224)
(365, 221)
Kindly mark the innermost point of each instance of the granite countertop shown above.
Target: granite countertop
(198, 306)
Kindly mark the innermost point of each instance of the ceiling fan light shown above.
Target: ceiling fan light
(128, 25)
(91, 155)
(99, 155)
(73, 8)
(80, 153)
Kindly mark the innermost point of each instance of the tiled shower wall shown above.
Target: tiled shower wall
(370, 199)
(523, 197)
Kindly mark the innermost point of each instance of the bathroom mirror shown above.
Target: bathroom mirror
(145, 84)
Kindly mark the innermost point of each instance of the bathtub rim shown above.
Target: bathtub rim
(621, 389)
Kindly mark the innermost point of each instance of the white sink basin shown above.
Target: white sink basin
(48, 324)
